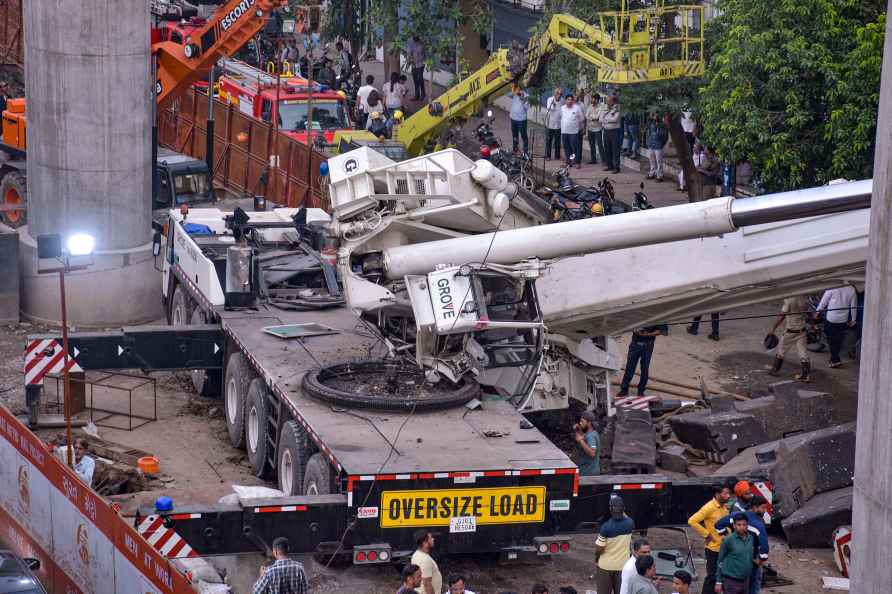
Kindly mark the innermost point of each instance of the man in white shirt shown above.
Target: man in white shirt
(595, 129)
(431, 578)
(84, 465)
(840, 310)
(572, 120)
(362, 101)
(553, 124)
(640, 547)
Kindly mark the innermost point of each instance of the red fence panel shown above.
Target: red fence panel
(83, 545)
(243, 147)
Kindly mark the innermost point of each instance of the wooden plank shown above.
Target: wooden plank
(116, 452)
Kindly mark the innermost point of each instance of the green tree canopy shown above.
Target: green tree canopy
(793, 86)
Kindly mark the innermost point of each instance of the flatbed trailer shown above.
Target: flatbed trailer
(372, 489)
(357, 481)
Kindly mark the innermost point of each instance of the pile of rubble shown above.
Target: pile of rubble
(786, 437)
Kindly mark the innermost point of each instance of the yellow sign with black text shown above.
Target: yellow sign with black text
(496, 505)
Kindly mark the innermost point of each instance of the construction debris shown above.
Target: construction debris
(813, 524)
(634, 446)
(812, 476)
(729, 427)
(673, 458)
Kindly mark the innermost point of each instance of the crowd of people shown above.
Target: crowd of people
(735, 540)
(593, 117)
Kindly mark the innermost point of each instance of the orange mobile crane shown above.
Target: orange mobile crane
(177, 66)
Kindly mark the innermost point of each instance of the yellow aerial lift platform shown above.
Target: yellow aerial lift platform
(658, 42)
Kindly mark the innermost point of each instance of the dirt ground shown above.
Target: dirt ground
(199, 465)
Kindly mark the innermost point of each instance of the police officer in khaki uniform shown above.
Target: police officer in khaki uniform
(795, 313)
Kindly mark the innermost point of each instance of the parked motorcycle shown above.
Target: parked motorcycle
(516, 167)
(640, 201)
(571, 202)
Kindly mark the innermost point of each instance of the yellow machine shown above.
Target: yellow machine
(627, 46)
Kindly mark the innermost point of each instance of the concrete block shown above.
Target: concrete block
(9, 273)
(730, 427)
(673, 458)
(823, 461)
(813, 524)
(801, 467)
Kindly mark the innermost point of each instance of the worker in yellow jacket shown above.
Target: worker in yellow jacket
(703, 522)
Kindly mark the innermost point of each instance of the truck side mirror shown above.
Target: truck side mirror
(32, 563)
(156, 243)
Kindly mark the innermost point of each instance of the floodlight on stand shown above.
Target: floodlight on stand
(80, 244)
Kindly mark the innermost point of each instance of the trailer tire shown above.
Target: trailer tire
(238, 377)
(180, 307)
(360, 385)
(206, 382)
(291, 458)
(257, 426)
(318, 476)
(14, 190)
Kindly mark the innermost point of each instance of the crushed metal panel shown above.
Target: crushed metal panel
(300, 330)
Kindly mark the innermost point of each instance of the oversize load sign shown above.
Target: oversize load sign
(497, 505)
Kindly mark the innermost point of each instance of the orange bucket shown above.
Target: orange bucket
(148, 465)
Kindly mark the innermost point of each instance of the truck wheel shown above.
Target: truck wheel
(180, 307)
(317, 477)
(238, 377)
(292, 457)
(388, 385)
(205, 381)
(257, 426)
(13, 191)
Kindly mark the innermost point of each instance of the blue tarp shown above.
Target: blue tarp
(197, 229)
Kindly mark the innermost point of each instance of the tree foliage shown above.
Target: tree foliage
(436, 22)
(853, 103)
(793, 86)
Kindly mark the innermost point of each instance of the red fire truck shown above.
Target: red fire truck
(180, 30)
(284, 100)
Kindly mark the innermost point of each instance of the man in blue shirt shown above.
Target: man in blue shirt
(755, 525)
(520, 104)
(589, 442)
